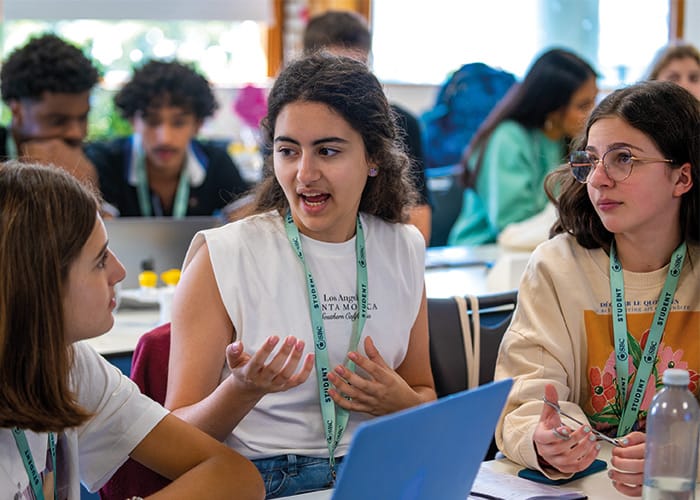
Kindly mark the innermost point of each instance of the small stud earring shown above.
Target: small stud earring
(373, 171)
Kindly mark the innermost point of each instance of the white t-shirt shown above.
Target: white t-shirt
(92, 452)
(263, 287)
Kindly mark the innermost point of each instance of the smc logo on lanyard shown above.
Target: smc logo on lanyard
(335, 418)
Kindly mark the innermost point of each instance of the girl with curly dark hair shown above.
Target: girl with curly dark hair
(325, 261)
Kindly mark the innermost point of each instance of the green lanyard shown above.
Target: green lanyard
(11, 147)
(656, 331)
(181, 196)
(335, 418)
(34, 477)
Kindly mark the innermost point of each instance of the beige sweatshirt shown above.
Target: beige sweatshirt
(562, 334)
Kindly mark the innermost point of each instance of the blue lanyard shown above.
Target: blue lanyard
(34, 476)
(335, 418)
(619, 312)
(143, 190)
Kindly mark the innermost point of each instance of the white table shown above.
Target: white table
(596, 486)
(472, 270)
(129, 325)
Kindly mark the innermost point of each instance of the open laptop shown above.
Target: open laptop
(423, 453)
(160, 241)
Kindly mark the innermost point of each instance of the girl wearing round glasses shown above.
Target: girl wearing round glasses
(612, 299)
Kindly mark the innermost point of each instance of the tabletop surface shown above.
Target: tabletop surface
(595, 486)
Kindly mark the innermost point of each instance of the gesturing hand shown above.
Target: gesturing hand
(559, 446)
(255, 374)
(383, 392)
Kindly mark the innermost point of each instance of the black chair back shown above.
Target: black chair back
(447, 349)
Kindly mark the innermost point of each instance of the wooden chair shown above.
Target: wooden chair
(465, 334)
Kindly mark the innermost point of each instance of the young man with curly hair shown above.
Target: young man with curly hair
(161, 169)
(46, 84)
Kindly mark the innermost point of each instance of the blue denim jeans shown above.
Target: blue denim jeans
(286, 475)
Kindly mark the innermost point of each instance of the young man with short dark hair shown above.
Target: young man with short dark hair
(161, 169)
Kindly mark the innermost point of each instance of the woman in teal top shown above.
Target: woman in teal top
(523, 139)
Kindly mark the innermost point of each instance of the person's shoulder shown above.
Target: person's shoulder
(251, 225)
(271, 218)
(84, 352)
(561, 246)
(88, 360)
(388, 232)
(91, 374)
(373, 221)
(510, 129)
(251, 233)
(509, 138)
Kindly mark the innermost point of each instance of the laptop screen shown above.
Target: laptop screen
(427, 452)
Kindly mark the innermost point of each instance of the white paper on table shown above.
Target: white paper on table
(504, 486)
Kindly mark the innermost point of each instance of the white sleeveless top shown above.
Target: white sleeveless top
(263, 287)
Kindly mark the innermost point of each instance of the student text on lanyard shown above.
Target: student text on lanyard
(28, 460)
(335, 418)
(146, 201)
(632, 400)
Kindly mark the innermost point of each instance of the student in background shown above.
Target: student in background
(61, 404)
(522, 140)
(324, 262)
(678, 63)
(347, 34)
(162, 170)
(616, 286)
(46, 84)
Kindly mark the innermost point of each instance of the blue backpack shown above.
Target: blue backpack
(462, 104)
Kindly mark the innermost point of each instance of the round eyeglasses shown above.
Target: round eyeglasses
(618, 163)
